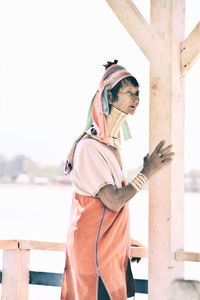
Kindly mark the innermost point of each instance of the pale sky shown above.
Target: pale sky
(51, 57)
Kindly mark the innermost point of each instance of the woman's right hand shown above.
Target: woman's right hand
(158, 159)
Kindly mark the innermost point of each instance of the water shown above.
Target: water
(41, 213)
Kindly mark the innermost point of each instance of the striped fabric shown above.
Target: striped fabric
(99, 107)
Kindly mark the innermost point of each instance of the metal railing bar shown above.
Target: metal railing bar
(55, 279)
(45, 278)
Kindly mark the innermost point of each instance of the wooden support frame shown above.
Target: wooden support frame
(190, 49)
(170, 58)
(137, 26)
(17, 277)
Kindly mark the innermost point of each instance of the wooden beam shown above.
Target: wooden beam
(139, 252)
(190, 50)
(136, 25)
(8, 244)
(187, 256)
(38, 245)
(15, 274)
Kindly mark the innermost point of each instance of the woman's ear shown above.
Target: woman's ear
(110, 98)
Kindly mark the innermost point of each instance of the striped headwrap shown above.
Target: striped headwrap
(99, 107)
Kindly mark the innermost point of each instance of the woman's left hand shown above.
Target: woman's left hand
(135, 243)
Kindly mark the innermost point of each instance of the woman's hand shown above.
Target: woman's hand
(135, 243)
(146, 158)
(158, 159)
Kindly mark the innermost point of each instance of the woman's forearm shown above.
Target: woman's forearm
(114, 199)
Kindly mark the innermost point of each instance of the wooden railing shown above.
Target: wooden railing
(16, 276)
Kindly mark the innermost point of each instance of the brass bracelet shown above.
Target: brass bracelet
(138, 182)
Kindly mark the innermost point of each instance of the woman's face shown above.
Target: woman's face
(128, 98)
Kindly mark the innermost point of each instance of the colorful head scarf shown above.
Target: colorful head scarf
(99, 107)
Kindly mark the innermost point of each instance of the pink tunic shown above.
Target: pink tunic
(98, 238)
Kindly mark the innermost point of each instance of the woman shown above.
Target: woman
(98, 240)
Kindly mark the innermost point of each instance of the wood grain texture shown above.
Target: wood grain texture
(8, 244)
(39, 245)
(187, 256)
(190, 49)
(15, 274)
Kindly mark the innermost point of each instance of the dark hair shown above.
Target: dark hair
(115, 90)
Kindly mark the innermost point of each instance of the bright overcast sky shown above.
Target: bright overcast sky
(51, 56)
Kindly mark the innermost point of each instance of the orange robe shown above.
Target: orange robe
(97, 245)
(98, 239)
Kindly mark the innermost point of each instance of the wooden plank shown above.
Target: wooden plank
(166, 187)
(38, 245)
(136, 25)
(190, 49)
(139, 252)
(15, 274)
(187, 256)
(8, 244)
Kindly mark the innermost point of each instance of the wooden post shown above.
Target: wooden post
(166, 188)
(15, 274)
